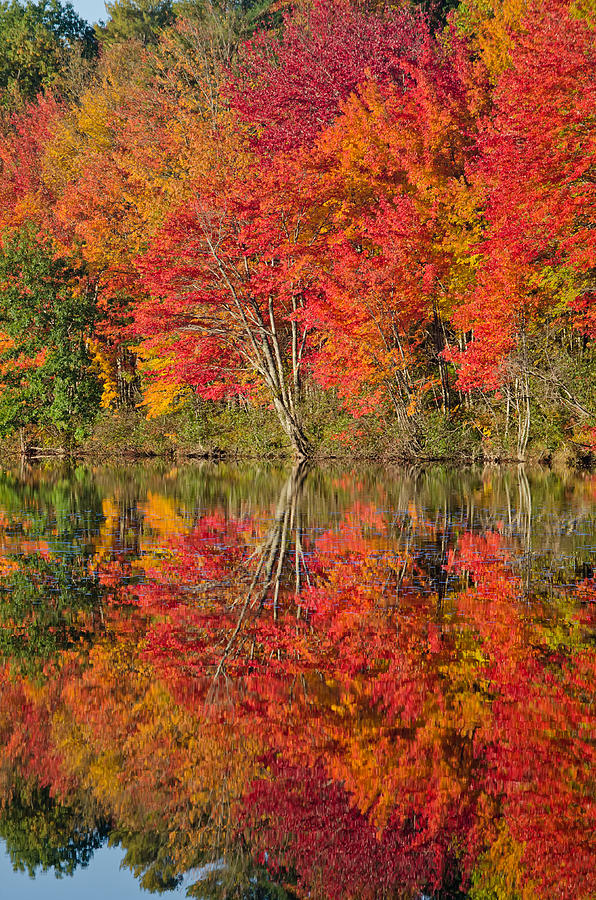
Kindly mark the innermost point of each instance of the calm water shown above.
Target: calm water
(255, 683)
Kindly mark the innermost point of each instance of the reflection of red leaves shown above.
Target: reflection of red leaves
(434, 638)
(305, 821)
(586, 592)
(400, 736)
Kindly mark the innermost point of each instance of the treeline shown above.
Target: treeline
(370, 227)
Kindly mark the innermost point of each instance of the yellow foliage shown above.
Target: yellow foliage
(106, 370)
(163, 392)
(584, 9)
(500, 874)
(489, 25)
(161, 396)
(6, 343)
(107, 534)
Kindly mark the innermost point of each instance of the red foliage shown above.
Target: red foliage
(393, 166)
(537, 150)
(228, 278)
(291, 87)
(305, 822)
(25, 135)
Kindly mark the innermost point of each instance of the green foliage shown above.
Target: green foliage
(36, 40)
(64, 501)
(46, 605)
(227, 427)
(448, 436)
(205, 429)
(229, 20)
(47, 311)
(140, 20)
(127, 432)
(149, 859)
(41, 834)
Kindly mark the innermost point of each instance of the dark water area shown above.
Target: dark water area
(248, 682)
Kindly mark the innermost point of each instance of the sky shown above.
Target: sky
(102, 878)
(91, 10)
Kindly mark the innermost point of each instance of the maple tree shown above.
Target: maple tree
(25, 198)
(226, 306)
(297, 208)
(536, 157)
(290, 88)
(402, 228)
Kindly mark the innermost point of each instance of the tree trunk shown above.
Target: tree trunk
(292, 427)
(440, 343)
(523, 399)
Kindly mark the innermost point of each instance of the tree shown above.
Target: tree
(130, 151)
(402, 222)
(35, 41)
(25, 197)
(194, 57)
(289, 88)
(226, 304)
(140, 20)
(536, 172)
(47, 311)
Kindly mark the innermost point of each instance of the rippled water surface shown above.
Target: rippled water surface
(242, 682)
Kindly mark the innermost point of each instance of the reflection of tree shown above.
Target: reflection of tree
(540, 669)
(148, 856)
(404, 712)
(41, 834)
(459, 739)
(225, 595)
(373, 685)
(271, 560)
(271, 553)
(59, 506)
(314, 834)
(46, 606)
(49, 600)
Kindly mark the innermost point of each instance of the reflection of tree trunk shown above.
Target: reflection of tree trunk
(272, 559)
(438, 573)
(525, 510)
(274, 551)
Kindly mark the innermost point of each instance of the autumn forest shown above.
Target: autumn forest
(325, 227)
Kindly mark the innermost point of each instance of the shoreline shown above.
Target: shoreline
(566, 457)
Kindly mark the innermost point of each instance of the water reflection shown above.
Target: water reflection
(326, 684)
